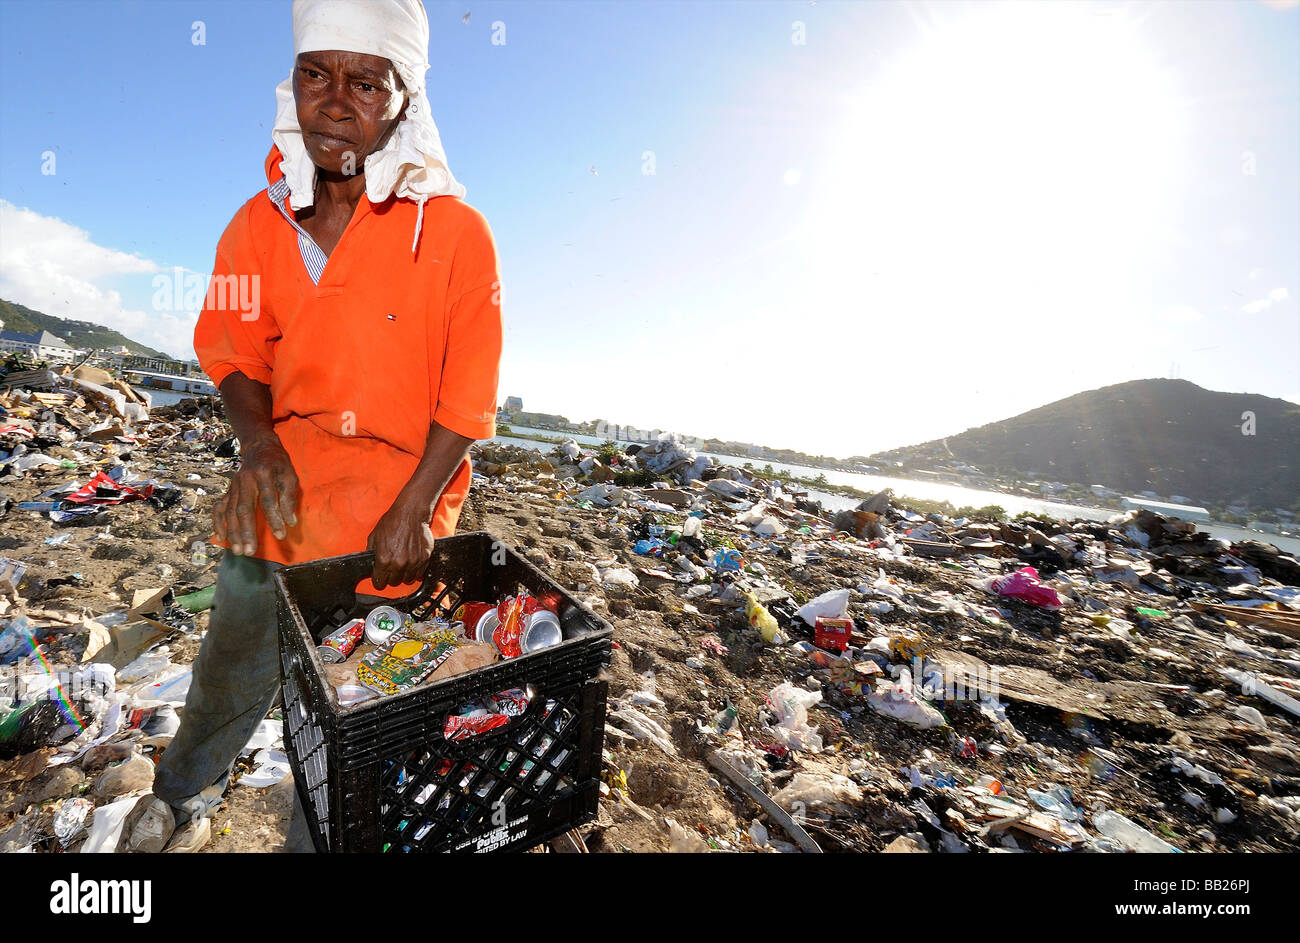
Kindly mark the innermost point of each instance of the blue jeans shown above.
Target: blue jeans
(236, 680)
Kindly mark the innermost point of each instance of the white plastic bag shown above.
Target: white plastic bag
(820, 791)
(896, 699)
(790, 704)
(829, 605)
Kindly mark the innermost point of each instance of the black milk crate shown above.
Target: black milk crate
(380, 776)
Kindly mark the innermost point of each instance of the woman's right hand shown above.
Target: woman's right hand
(265, 479)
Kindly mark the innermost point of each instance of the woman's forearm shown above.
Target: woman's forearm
(248, 407)
(444, 450)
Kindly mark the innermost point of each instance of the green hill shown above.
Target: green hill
(1167, 436)
(80, 334)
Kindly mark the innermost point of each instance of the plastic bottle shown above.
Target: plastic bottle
(1056, 801)
(724, 721)
(1131, 835)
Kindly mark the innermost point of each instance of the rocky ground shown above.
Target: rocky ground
(1115, 702)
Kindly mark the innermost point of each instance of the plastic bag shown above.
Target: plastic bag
(883, 586)
(759, 618)
(830, 605)
(790, 704)
(680, 841)
(644, 728)
(619, 576)
(149, 665)
(899, 701)
(1023, 585)
(727, 560)
(820, 791)
(30, 460)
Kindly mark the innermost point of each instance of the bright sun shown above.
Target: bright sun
(1013, 153)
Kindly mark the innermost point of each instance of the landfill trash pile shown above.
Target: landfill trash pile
(105, 579)
(783, 678)
(790, 679)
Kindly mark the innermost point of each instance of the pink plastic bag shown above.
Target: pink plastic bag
(1023, 584)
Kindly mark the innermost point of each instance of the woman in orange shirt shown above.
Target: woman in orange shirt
(353, 327)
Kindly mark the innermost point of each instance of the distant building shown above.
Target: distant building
(1101, 491)
(112, 357)
(176, 368)
(513, 404)
(1184, 511)
(40, 345)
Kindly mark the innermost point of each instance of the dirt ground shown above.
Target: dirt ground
(1165, 701)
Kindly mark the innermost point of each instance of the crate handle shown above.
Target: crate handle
(427, 588)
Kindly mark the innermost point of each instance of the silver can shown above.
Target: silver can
(542, 631)
(382, 622)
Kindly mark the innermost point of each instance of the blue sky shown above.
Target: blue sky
(919, 218)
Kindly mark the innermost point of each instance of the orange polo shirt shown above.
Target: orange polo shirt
(362, 361)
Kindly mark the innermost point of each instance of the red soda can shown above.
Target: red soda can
(340, 643)
(510, 628)
(469, 615)
(512, 703)
(460, 727)
(551, 601)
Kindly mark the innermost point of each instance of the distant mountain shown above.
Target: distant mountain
(1167, 436)
(83, 335)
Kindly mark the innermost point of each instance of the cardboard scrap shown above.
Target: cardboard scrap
(1005, 814)
(128, 642)
(1099, 700)
(26, 767)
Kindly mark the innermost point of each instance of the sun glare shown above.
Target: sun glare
(1011, 153)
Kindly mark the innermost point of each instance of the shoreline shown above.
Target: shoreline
(922, 505)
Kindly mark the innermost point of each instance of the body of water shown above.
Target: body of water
(957, 495)
(165, 397)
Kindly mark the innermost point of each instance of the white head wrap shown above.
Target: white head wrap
(412, 164)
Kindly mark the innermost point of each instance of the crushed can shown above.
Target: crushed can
(342, 642)
(381, 622)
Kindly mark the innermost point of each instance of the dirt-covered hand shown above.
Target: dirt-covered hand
(265, 480)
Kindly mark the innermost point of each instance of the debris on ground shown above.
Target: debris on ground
(1008, 686)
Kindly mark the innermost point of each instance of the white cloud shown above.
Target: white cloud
(54, 267)
(1277, 294)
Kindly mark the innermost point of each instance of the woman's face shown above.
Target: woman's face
(348, 104)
